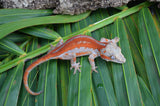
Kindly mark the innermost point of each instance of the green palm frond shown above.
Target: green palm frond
(135, 82)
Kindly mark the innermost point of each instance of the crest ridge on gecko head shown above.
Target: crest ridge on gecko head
(112, 52)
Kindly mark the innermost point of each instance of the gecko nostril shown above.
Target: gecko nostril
(123, 60)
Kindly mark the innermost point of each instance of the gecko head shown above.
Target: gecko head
(112, 53)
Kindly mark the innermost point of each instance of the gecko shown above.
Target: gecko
(79, 45)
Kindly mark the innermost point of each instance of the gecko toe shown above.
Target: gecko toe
(76, 67)
(71, 68)
(79, 70)
(74, 71)
(94, 69)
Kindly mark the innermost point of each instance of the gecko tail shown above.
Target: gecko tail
(29, 69)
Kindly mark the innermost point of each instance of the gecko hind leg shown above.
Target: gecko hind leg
(58, 44)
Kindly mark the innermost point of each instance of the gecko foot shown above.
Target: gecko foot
(94, 69)
(76, 67)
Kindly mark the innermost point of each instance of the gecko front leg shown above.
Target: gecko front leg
(75, 65)
(91, 60)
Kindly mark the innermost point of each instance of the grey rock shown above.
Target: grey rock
(64, 6)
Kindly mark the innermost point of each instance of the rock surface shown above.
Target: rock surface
(64, 6)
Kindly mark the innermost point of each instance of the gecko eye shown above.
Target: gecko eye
(112, 57)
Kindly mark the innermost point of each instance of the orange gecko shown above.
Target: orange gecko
(77, 46)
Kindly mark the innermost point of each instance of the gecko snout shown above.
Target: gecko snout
(120, 58)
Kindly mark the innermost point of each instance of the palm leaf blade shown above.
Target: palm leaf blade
(146, 94)
(10, 90)
(7, 28)
(131, 82)
(150, 64)
(132, 32)
(11, 47)
(10, 15)
(47, 83)
(24, 97)
(42, 32)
